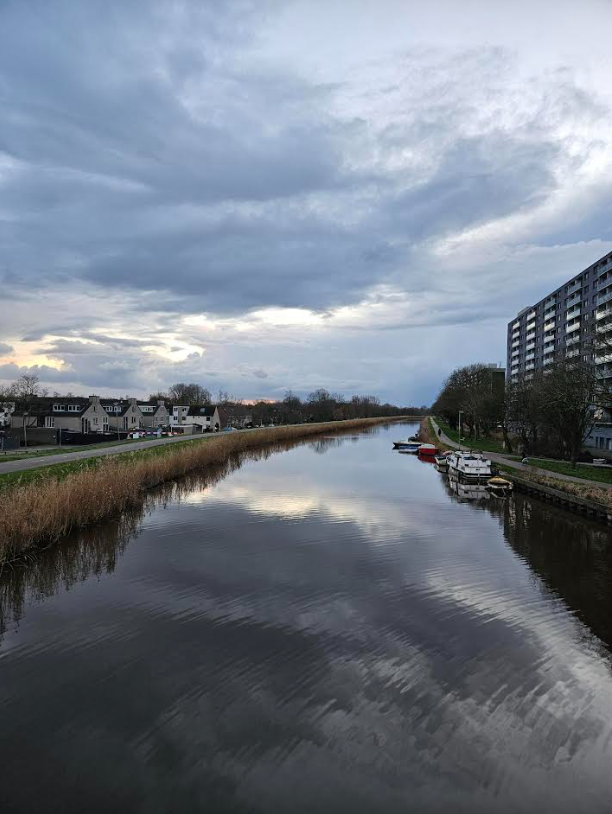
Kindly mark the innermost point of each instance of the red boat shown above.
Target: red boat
(428, 450)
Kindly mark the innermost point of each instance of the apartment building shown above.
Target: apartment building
(568, 322)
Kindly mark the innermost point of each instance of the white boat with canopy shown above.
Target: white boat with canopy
(469, 465)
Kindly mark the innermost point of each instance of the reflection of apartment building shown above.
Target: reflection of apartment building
(565, 322)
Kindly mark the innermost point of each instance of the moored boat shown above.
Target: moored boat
(409, 449)
(469, 465)
(501, 487)
(442, 462)
(428, 449)
(407, 446)
(406, 442)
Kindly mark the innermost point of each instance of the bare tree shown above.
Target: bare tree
(28, 386)
(192, 393)
(568, 391)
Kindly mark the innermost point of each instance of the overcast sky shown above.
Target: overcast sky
(260, 195)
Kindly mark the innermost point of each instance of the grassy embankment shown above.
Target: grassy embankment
(599, 474)
(483, 444)
(45, 504)
(428, 435)
(586, 491)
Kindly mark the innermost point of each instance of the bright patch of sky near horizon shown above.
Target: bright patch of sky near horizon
(269, 195)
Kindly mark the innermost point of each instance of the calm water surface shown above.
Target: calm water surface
(329, 628)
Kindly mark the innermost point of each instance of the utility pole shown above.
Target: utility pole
(460, 425)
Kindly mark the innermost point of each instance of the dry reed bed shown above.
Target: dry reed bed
(587, 491)
(38, 514)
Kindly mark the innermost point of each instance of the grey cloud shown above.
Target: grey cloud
(5, 349)
(166, 166)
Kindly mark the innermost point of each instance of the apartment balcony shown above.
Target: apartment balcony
(572, 328)
(603, 359)
(548, 361)
(573, 339)
(529, 356)
(574, 287)
(603, 314)
(549, 348)
(530, 346)
(569, 354)
(572, 314)
(604, 298)
(605, 268)
(530, 366)
(549, 326)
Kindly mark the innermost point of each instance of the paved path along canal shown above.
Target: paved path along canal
(116, 449)
(503, 459)
(327, 626)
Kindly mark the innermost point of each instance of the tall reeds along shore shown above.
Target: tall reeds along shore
(40, 513)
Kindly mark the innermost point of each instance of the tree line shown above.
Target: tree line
(320, 405)
(551, 412)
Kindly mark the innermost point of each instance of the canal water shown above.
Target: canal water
(329, 626)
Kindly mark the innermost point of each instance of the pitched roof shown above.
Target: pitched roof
(123, 403)
(43, 405)
(155, 404)
(206, 410)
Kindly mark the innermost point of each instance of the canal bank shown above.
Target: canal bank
(592, 498)
(40, 512)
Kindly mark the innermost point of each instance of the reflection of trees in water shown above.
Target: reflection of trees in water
(95, 551)
(323, 445)
(571, 555)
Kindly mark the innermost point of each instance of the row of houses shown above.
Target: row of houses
(93, 414)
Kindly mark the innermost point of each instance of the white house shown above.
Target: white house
(194, 418)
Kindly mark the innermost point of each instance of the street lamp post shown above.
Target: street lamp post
(460, 425)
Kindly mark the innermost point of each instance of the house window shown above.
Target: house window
(73, 408)
(49, 422)
(59, 408)
(95, 420)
